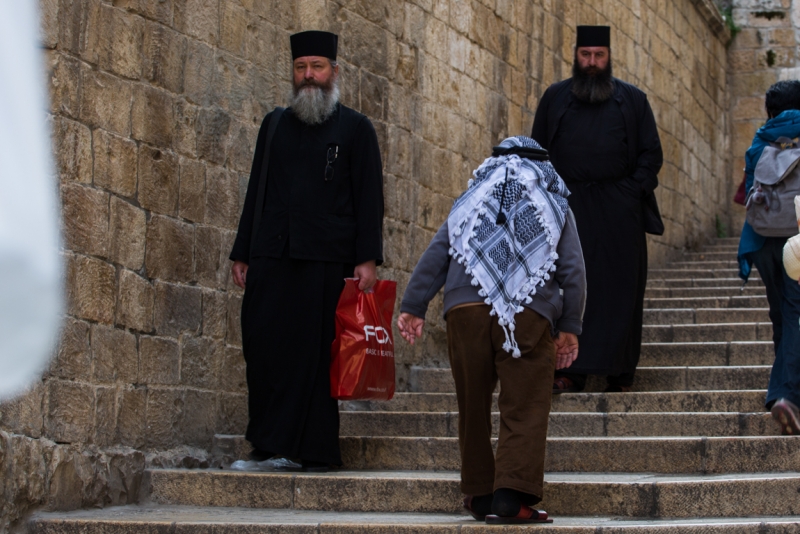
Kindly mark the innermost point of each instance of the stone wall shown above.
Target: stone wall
(155, 109)
(763, 52)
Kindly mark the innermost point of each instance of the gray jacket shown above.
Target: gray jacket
(561, 300)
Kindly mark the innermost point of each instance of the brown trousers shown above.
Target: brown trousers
(477, 359)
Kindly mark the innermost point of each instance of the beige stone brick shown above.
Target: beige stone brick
(232, 377)
(234, 337)
(164, 410)
(115, 355)
(131, 418)
(159, 180)
(23, 414)
(73, 359)
(222, 198)
(85, 219)
(198, 73)
(198, 18)
(70, 411)
(200, 362)
(48, 12)
(215, 314)
(199, 418)
(115, 163)
(153, 116)
(164, 56)
(750, 108)
(242, 146)
(72, 17)
(185, 135)
(64, 77)
(169, 249)
(127, 230)
(213, 128)
(211, 257)
(73, 151)
(233, 28)
(233, 85)
(114, 40)
(232, 417)
(135, 302)
(178, 309)
(159, 360)
(374, 93)
(91, 287)
(106, 102)
(160, 10)
(105, 416)
(192, 205)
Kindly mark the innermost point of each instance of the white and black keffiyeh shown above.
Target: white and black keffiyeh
(509, 260)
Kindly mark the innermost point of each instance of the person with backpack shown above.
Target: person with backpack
(771, 175)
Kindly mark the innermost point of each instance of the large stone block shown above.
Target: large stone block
(222, 198)
(64, 84)
(105, 416)
(114, 40)
(106, 102)
(153, 116)
(131, 422)
(164, 55)
(232, 377)
(234, 336)
(23, 414)
(234, 27)
(198, 73)
(192, 205)
(178, 309)
(211, 257)
(128, 225)
(73, 359)
(232, 415)
(200, 362)
(72, 16)
(164, 410)
(91, 287)
(115, 163)
(214, 314)
(213, 127)
(69, 416)
(159, 360)
(48, 11)
(135, 302)
(169, 249)
(199, 418)
(73, 151)
(115, 355)
(185, 141)
(242, 145)
(85, 219)
(198, 18)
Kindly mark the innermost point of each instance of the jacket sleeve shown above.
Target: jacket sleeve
(367, 176)
(649, 156)
(241, 246)
(429, 275)
(539, 130)
(571, 278)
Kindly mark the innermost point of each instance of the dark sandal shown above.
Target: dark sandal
(470, 510)
(526, 515)
(562, 384)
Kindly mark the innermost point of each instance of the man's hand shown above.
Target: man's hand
(367, 275)
(239, 272)
(566, 349)
(410, 326)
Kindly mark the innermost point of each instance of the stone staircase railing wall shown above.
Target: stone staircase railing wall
(155, 110)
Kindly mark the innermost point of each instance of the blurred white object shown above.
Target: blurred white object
(30, 270)
(791, 250)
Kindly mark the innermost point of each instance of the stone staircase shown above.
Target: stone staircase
(692, 450)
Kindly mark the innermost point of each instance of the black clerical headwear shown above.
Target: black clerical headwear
(594, 36)
(314, 43)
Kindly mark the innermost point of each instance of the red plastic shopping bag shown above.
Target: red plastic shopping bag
(362, 355)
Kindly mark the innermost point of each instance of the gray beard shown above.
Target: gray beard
(314, 104)
(592, 89)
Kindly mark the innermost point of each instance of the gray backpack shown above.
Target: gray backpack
(770, 202)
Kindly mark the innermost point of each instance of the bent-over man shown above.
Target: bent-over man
(603, 141)
(320, 222)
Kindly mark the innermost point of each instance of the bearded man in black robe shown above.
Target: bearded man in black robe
(319, 221)
(602, 139)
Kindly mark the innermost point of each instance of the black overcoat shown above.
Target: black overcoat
(612, 217)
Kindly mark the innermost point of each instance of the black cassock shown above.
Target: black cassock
(609, 155)
(312, 234)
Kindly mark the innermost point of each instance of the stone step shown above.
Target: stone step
(682, 333)
(667, 455)
(207, 520)
(709, 255)
(654, 401)
(726, 297)
(730, 241)
(581, 494)
(736, 282)
(730, 353)
(717, 265)
(439, 380)
(733, 248)
(684, 316)
(673, 273)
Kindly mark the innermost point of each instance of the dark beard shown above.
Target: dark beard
(592, 89)
(313, 103)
